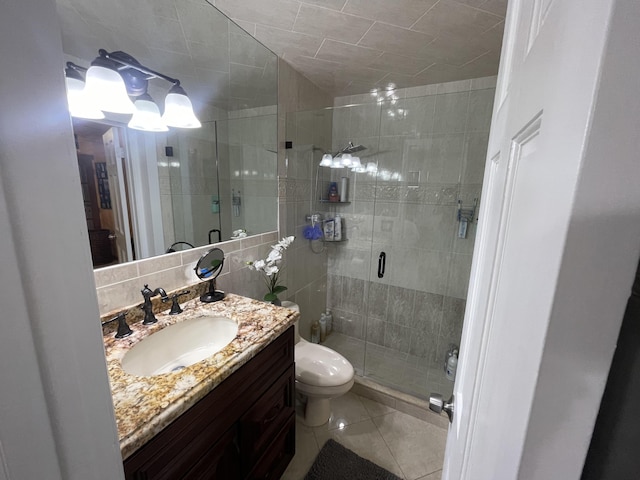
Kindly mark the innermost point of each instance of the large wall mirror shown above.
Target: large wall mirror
(146, 193)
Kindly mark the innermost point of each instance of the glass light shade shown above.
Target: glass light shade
(337, 163)
(147, 116)
(326, 160)
(178, 111)
(346, 159)
(372, 167)
(105, 88)
(79, 106)
(355, 163)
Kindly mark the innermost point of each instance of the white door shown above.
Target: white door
(114, 154)
(524, 407)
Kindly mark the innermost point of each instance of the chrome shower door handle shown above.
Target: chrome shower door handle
(382, 262)
(438, 405)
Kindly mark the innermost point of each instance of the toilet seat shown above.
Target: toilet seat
(319, 366)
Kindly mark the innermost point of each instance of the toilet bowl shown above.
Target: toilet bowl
(321, 374)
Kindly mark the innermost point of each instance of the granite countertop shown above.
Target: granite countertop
(146, 405)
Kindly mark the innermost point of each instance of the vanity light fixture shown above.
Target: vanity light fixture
(109, 83)
(147, 116)
(346, 159)
(327, 158)
(75, 97)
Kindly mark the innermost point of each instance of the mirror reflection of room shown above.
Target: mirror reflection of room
(147, 193)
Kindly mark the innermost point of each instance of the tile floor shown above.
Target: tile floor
(405, 445)
(401, 371)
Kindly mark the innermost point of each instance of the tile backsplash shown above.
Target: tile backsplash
(119, 286)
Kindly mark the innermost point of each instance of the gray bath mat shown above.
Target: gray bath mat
(335, 462)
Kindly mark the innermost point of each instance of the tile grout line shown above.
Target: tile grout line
(390, 451)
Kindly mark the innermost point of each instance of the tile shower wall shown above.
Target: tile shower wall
(305, 272)
(252, 166)
(430, 144)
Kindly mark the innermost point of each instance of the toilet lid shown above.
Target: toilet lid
(321, 366)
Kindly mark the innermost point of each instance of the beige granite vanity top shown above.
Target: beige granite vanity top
(146, 405)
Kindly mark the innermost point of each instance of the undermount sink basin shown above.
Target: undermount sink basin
(179, 345)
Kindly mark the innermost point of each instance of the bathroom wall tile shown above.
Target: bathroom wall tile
(475, 155)
(454, 87)
(348, 261)
(451, 112)
(115, 274)
(451, 328)
(364, 120)
(397, 337)
(118, 295)
(400, 305)
(375, 330)
(484, 82)
(427, 312)
(480, 109)
(161, 262)
(426, 226)
(376, 299)
(318, 296)
(424, 342)
(459, 275)
(352, 294)
(170, 279)
(351, 324)
(334, 291)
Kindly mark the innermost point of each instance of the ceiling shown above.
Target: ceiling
(353, 46)
(343, 46)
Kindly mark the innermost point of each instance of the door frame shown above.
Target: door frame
(599, 254)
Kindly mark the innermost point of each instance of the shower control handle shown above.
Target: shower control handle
(438, 405)
(382, 261)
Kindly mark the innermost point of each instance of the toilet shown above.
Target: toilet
(321, 374)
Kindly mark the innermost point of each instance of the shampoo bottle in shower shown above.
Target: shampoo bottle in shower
(315, 332)
(323, 328)
(329, 318)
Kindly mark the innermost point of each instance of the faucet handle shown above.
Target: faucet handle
(123, 328)
(175, 306)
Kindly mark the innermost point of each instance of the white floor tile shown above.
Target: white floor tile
(417, 446)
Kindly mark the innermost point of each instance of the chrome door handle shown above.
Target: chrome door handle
(438, 405)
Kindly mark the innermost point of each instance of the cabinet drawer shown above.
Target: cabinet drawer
(222, 461)
(267, 416)
(278, 455)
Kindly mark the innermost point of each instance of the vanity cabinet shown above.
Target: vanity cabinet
(243, 429)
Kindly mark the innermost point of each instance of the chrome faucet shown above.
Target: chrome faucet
(147, 307)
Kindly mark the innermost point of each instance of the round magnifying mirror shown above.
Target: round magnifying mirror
(208, 268)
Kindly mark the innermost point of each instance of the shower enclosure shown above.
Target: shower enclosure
(397, 284)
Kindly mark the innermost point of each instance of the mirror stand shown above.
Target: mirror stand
(209, 267)
(212, 295)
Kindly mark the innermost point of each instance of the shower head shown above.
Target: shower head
(351, 148)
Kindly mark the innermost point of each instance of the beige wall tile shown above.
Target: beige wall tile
(403, 13)
(397, 40)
